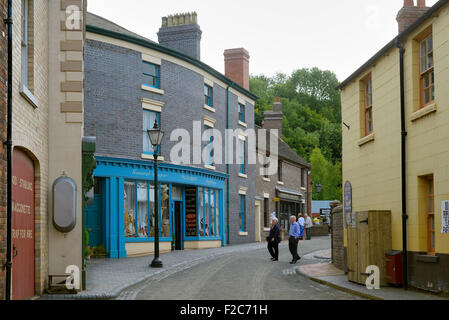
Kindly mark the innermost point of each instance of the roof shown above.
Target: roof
(102, 26)
(317, 205)
(284, 150)
(429, 13)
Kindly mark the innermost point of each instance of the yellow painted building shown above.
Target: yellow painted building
(371, 111)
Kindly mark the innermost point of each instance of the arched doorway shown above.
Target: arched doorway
(23, 188)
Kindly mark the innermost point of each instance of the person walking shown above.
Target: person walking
(274, 239)
(301, 223)
(293, 240)
(309, 225)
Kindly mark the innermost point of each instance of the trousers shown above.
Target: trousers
(293, 246)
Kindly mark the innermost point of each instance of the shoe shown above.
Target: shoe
(272, 259)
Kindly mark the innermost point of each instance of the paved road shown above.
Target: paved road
(239, 276)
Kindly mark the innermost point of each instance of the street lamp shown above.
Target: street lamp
(156, 136)
(319, 187)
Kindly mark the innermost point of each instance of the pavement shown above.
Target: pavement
(328, 275)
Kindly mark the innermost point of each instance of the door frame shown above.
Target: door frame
(181, 218)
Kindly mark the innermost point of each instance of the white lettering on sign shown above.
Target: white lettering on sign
(26, 185)
(22, 234)
(21, 208)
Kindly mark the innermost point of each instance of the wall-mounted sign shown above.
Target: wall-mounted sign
(276, 199)
(445, 217)
(348, 203)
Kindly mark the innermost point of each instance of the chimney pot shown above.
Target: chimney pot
(278, 99)
(410, 13)
(409, 3)
(421, 3)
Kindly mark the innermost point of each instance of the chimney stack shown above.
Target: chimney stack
(181, 32)
(273, 119)
(410, 13)
(237, 66)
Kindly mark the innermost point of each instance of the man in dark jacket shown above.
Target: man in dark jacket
(274, 239)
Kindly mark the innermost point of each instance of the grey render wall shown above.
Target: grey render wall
(113, 113)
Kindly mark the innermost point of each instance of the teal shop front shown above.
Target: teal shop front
(191, 207)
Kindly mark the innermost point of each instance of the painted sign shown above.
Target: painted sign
(445, 217)
(348, 203)
(23, 226)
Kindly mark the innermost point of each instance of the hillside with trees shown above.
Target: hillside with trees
(311, 121)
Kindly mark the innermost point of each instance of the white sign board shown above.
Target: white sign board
(445, 217)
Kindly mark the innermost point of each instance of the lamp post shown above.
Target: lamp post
(319, 187)
(156, 136)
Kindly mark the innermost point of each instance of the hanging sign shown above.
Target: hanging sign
(445, 217)
(348, 203)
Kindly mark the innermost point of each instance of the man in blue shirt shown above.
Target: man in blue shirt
(295, 233)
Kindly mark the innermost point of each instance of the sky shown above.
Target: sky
(281, 36)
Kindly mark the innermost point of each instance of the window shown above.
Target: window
(266, 213)
(242, 117)
(151, 75)
(265, 168)
(209, 146)
(368, 106)
(430, 216)
(242, 156)
(165, 211)
(137, 216)
(427, 72)
(209, 215)
(302, 177)
(149, 119)
(27, 45)
(208, 96)
(279, 170)
(242, 213)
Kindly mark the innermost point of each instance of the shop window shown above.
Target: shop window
(209, 223)
(142, 210)
(242, 213)
(130, 209)
(266, 213)
(430, 210)
(165, 211)
(149, 119)
(427, 77)
(151, 75)
(208, 96)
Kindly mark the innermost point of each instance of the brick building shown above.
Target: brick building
(3, 114)
(287, 192)
(131, 84)
(47, 103)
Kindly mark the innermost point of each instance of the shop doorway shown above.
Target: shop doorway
(23, 188)
(179, 243)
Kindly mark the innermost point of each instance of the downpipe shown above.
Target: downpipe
(403, 166)
(227, 165)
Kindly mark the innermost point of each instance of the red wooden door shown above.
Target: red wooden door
(23, 226)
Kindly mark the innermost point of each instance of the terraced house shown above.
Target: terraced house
(131, 84)
(47, 115)
(395, 148)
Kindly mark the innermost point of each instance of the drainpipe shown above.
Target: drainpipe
(227, 163)
(403, 166)
(8, 143)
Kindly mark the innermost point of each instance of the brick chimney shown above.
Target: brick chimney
(273, 119)
(410, 13)
(237, 66)
(181, 32)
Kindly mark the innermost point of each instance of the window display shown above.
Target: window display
(165, 211)
(142, 210)
(130, 209)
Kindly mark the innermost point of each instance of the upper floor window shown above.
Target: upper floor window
(242, 117)
(368, 106)
(208, 96)
(27, 45)
(149, 119)
(242, 213)
(209, 145)
(151, 75)
(242, 155)
(427, 71)
(280, 171)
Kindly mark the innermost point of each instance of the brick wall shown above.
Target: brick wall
(3, 109)
(113, 114)
(337, 237)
